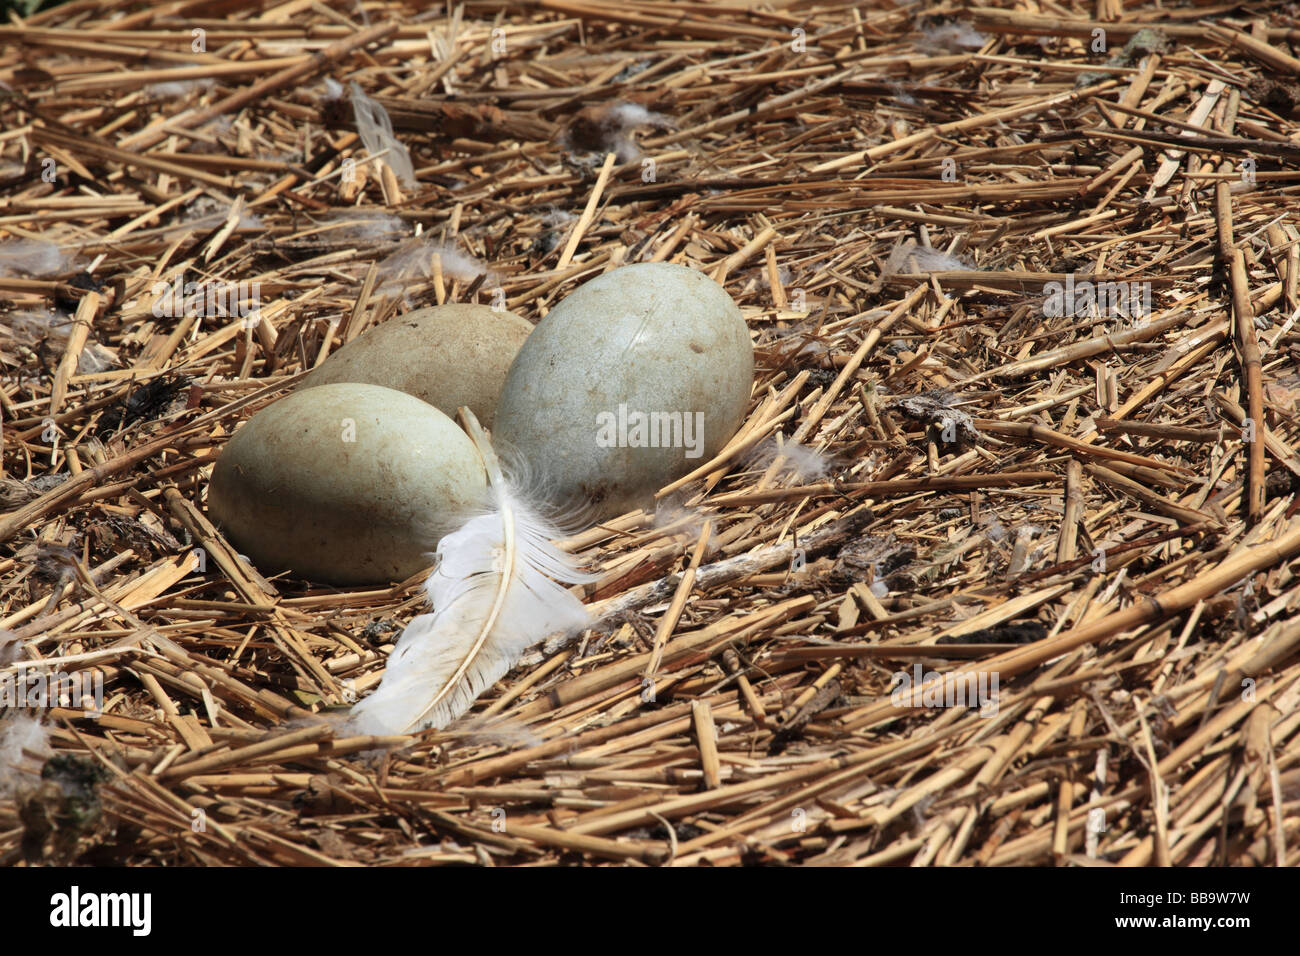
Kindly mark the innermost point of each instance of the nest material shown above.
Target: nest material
(1118, 548)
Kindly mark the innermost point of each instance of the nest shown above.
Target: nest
(1000, 569)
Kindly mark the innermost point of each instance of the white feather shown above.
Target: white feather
(494, 595)
(376, 131)
(34, 257)
(805, 463)
(910, 257)
(24, 744)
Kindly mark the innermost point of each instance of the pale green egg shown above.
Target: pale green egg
(346, 483)
(446, 355)
(636, 378)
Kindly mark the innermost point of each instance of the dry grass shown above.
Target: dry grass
(1147, 707)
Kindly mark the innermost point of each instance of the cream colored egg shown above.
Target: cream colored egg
(346, 483)
(639, 376)
(447, 355)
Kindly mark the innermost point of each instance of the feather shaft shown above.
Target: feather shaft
(494, 593)
(496, 481)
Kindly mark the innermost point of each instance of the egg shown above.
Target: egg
(346, 483)
(448, 356)
(637, 377)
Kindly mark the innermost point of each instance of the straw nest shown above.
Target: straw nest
(942, 473)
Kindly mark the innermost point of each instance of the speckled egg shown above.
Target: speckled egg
(639, 376)
(447, 355)
(346, 483)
